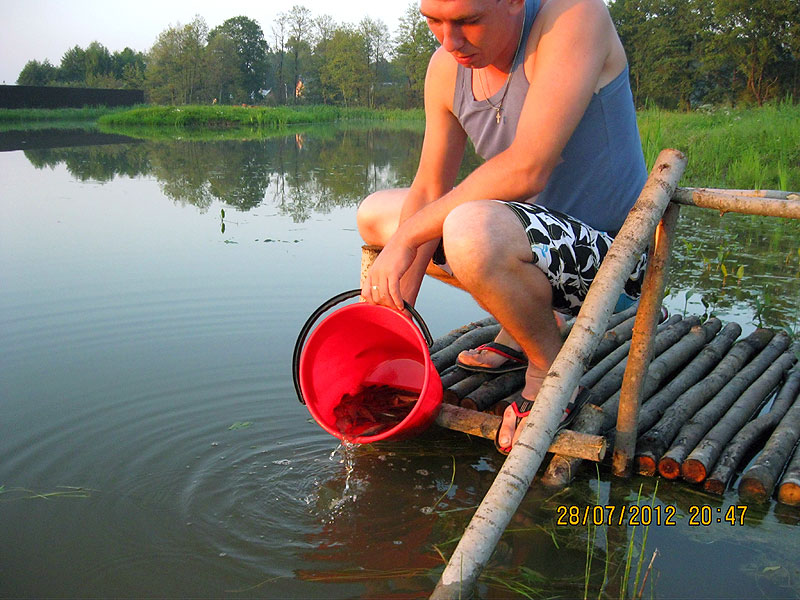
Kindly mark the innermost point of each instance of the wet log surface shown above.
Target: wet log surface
(704, 419)
(700, 460)
(759, 480)
(655, 442)
(749, 436)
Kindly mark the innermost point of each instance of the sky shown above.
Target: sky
(46, 29)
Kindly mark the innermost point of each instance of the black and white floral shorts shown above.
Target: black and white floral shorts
(569, 252)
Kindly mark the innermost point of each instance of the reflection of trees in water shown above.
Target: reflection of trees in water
(301, 174)
(95, 163)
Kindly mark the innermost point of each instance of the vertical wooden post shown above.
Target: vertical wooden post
(641, 351)
(368, 256)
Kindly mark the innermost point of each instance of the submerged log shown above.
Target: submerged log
(748, 437)
(447, 356)
(789, 489)
(653, 444)
(758, 481)
(704, 419)
(700, 460)
(700, 365)
(566, 443)
(494, 390)
(562, 467)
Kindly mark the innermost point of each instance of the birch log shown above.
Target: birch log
(654, 442)
(509, 487)
(691, 433)
(758, 481)
(700, 460)
(724, 201)
(749, 436)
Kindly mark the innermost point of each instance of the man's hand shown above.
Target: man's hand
(382, 283)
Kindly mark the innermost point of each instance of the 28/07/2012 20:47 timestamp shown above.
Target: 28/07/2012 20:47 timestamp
(609, 514)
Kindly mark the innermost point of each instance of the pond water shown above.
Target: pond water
(151, 440)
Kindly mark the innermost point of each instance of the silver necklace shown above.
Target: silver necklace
(499, 106)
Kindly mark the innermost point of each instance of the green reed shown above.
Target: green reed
(742, 148)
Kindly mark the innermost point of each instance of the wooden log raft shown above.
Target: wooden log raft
(700, 460)
(653, 443)
(747, 438)
(703, 420)
(758, 481)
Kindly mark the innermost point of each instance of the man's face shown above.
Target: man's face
(474, 32)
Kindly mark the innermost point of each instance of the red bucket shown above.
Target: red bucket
(364, 346)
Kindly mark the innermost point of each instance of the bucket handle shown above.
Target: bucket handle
(327, 305)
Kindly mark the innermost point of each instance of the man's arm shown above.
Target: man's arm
(442, 151)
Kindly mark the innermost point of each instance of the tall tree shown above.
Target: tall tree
(299, 22)
(376, 39)
(176, 64)
(760, 36)
(251, 50)
(415, 45)
(37, 73)
(344, 73)
(279, 29)
(73, 66)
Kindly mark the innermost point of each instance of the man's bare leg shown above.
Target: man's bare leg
(489, 253)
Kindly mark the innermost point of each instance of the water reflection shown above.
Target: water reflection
(304, 174)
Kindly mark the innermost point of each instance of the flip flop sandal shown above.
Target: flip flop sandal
(516, 360)
(522, 408)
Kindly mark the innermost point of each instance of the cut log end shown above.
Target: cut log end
(789, 493)
(752, 490)
(714, 486)
(646, 465)
(669, 468)
(693, 470)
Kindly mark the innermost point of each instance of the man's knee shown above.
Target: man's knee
(377, 217)
(472, 238)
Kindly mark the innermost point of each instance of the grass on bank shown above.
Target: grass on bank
(220, 116)
(53, 115)
(750, 148)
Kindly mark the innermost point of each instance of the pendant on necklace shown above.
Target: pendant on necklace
(497, 115)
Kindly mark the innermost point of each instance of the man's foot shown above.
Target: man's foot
(515, 414)
(499, 356)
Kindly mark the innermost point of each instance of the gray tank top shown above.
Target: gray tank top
(603, 167)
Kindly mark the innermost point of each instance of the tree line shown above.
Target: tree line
(682, 53)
